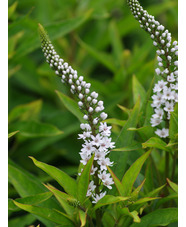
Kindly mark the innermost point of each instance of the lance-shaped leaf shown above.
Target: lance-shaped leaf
(27, 184)
(145, 200)
(63, 199)
(134, 194)
(84, 179)
(82, 217)
(156, 143)
(109, 199)
(132, 173)
(156, 191)
(172, 185)
(25, 111)
(133, 214)
(117, 182)
(12, 134)
(30, 200)
(68, 183)
(35, 129)
(125, 139)
(50, 214)
(160, 217)
(138, 90)
(173, 127)
(71, 105)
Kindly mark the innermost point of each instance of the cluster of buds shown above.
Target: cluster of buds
(166, 90)
(96, 134)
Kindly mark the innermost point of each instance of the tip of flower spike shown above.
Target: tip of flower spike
(43, 34)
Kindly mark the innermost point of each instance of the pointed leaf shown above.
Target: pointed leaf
(34, 129)
(109, 199)
(68, 183)
(173, 185)
(156, 143)
(132, 147)
(132, 173)
(71, 105)
(144, 200)
(82, 217)
(12, 134)
(117, 182)
(84, 179)
(133, 214)
(26, 111)
(138, 90)
(124, 139)
(115, 121)
(50, 214)
(102, 57)
(160, 217)
(30, 200)
(62, 198)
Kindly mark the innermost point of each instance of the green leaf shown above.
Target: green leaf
(82, 217)
(145, 132)
(63, 199)
(124, 139)
(134, 194)
(160, 217)
(102, 57)
(133, 147)
(68, 183)
(55, 29)
(156, 143)
(115, 121)
(109, 199)
(172, 185)
(12, 9)
(50, 214)
(116, 43)
(144, 200)
(156, 191)
(27, 185)
(138, 90)
(133, 214)
(21, 221)
(30, 200)
(83, 181)
(125, 110)
(132, 173)
(71, 105)
(34, 129)
(12, 134)
(117, 182)
(26, 111)
(173, 127)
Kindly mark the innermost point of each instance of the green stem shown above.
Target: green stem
(166, 165)
(174, 166)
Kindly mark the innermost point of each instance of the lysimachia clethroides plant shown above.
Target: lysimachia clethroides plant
(96, 135)
(166, 90)
(98, 197)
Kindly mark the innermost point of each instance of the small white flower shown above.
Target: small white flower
(169, 106)
(163, 133)
(98, 197)
(103, 115)
(155, 121)
(91, 188)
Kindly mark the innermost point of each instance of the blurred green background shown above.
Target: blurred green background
(103, 42)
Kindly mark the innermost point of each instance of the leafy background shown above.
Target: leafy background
(105, 44)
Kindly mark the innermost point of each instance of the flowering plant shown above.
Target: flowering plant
(104, 193)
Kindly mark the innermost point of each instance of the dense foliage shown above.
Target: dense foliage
(105, 44)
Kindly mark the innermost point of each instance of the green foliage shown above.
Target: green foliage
(104, 43)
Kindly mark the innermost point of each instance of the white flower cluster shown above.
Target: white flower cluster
(166, 90)
(96, 135)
